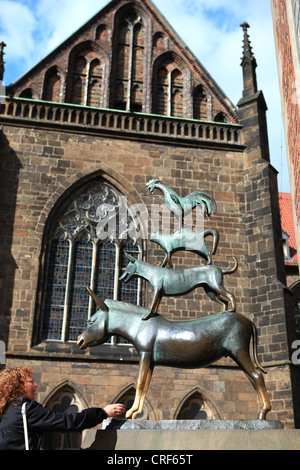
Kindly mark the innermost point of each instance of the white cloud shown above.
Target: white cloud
(212, 31)
(61, 18)
(33, 28)
(17, 25)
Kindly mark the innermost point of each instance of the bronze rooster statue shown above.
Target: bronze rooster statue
(183, 206)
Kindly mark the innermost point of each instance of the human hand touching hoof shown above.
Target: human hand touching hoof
(114, 410)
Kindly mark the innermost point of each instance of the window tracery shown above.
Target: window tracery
(77, 258)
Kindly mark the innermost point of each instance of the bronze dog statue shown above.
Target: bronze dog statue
(186, 240)
(191, 344)
(167, 282)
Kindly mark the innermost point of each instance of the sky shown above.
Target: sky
(210, 28)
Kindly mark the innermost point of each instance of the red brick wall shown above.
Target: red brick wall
(99, 35)
(289, 91)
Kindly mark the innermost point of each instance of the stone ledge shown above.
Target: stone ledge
(236, 437)
(188, 425)
(123, 124)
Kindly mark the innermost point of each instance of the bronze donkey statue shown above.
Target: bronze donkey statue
(190, 344)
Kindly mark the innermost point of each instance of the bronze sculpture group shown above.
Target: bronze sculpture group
(189, 344)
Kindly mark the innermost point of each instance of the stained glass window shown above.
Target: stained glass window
(56, 288)
(127, 292)
(105, 270)
(81, 277)
(78, 258)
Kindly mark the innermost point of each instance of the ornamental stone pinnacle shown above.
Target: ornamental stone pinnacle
(247, 49)
(2, 46)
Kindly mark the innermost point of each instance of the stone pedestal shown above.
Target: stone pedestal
(188, 425)
(191, 435)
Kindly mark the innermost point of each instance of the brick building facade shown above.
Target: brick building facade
(120, 102)
(286, 21)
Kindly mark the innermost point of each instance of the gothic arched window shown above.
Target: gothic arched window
(168, 90)
(220, 117)
(52, 85)
(64, 400)
(102, 33)
(94, 86)
(79, 81)
(85, 80)
(127, 397)
(76, 258)
(27, 93)
(199, 104)
(129, 64)
(196, 406)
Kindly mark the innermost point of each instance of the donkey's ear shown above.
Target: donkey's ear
(130, 257)
(98, 301)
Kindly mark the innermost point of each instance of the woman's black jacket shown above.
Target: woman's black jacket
(39, 420)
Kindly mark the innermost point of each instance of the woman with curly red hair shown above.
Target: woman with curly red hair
(17, 387)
